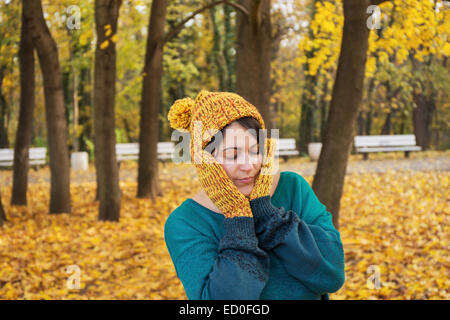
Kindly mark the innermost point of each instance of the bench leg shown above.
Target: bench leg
(285, 158)
(406, 154)
(365, 155)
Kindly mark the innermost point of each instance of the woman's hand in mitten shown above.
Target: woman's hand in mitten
(260, 203)
(263, 182)
(220, 189)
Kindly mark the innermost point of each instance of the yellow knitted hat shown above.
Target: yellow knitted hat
(214, 110)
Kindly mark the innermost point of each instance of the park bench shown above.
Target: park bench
(36, 157)
(286, 148)
(130, 151)
(386, 143)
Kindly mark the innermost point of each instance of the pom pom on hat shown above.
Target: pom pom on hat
(180, 113)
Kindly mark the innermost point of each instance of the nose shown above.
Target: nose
(247, 162)
(246, 166)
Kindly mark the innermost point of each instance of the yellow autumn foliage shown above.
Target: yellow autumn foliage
(408, 27)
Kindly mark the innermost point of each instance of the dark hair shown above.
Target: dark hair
(246, 122)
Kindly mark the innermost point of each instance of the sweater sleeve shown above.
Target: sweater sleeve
(234, 268)
(311, 251)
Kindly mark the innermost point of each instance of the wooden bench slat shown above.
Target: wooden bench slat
(386, 149)
(385, 140)
(288, 153)
(35, 156)
(392, 137)
(34, 162)
(127, 157)
(130, 151)
(386, 143)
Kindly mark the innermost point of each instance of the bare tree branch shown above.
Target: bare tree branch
(377, 2)
(175, 30)
(237, 6)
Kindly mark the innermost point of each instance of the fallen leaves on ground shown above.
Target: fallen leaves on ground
(394, 226)
(124, 260)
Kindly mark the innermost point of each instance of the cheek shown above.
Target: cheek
(260, 159)
(229, 169)
(258, 163)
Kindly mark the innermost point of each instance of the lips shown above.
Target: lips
(245, 180)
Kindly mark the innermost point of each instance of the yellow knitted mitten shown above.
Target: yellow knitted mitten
(263, 182)
(220, 189)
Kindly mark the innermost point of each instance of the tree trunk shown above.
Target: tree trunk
(361, 122)
(54, 106)
(24, 128)
(148, 186)
(323, 109)
(386, 128)
(306, 116)
(390, 95)
(346, 98)
(218, 58)
(253, 56)
(4, 141)
(75, 145)
(106, 16)
(2, 211)
(370, 94)
(228, 44)
(403, 122)
(368, 122)
(85, 109)
(422, 118)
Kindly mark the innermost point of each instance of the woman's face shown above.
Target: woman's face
(239, 157)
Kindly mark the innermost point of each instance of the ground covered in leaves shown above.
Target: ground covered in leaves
(395, 226)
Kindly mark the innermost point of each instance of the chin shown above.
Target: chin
(246, 191)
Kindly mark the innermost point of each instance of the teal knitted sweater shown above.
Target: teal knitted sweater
(288, 250)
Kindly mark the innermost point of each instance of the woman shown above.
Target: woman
(250, 233)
